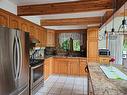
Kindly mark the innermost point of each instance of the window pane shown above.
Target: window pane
(76, 45)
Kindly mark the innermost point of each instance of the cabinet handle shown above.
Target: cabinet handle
(86, 69)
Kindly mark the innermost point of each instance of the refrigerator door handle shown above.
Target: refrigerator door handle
(14, 58)
(19, 56)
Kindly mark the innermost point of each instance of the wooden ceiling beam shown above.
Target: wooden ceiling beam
(66, 7)
(71, 21)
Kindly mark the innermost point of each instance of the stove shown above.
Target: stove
(36, 75)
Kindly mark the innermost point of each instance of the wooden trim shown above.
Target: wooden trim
(66, 7)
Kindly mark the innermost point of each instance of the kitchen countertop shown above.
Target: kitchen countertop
(103, 85)
(55, 56)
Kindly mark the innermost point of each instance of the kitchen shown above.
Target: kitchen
(70, 50)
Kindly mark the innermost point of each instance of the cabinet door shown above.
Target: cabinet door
(63, 66)
(50, 38)
(24, 25)
(56, 67)
(92, 44)
(83, 64)
(4, 19)
(44, 39)
(32, 29)
(46, 69)
(92, 49)
(74, 67)
(14, 22)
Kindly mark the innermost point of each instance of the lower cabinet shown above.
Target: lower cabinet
(73, 66)
(82, 66)
(47, 68)
(65, 66)
(69, 66)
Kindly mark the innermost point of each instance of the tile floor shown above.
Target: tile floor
(64, 85)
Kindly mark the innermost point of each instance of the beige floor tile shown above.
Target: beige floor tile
(64, 85)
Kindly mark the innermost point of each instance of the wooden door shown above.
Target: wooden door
(14, 22)
(83, 64)
(4, 18)
(74, 66)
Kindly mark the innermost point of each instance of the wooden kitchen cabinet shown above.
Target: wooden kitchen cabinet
(14, 22)
(73, 66)
(83, 64)
(62, 66)
(50, 38)
(92, 44)
(104, 59)
(56, 66)
(4, 18)
(44, 37)
(48, 67)
(24, 25)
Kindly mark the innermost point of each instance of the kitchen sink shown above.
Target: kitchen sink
(113, 73)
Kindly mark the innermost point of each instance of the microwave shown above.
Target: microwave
(104, 52)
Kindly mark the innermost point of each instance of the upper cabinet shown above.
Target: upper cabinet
(24, 25)
(50, 38)
(4, 18)
(14, 22)
(44, 36)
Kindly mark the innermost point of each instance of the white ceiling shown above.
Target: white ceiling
(70, 27)
(29, 2)
(73, 15)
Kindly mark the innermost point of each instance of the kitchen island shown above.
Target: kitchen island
(99, 84)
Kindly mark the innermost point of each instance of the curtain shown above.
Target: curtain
(75, 36)
(115, 47)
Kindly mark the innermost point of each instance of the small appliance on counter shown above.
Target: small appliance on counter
(104, 52)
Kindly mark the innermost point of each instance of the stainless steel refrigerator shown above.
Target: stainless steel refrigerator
(14, 66)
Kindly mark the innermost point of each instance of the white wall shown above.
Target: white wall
(34, 19)
(117, 23)
(11, 7)
(8, 6)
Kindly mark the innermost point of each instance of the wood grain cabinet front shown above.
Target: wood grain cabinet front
(50, 38)
(14, 22)
(24, 25)
(74, 66)
(83, 64)
(4, 18)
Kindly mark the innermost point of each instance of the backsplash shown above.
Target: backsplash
(37, 52)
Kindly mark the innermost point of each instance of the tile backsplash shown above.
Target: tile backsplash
(39, 52)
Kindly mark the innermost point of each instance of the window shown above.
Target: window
(69, 41)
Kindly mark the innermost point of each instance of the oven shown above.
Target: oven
(37, 78)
